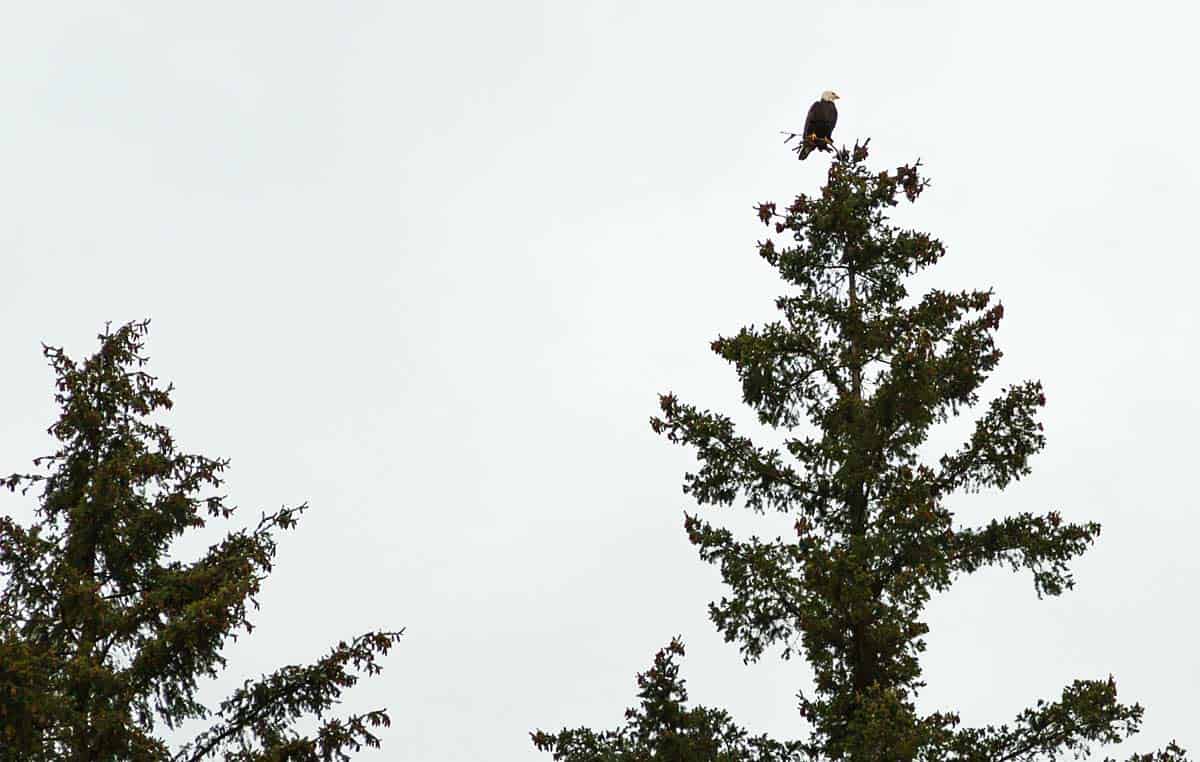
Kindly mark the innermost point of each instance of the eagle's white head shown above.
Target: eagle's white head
(829, 95)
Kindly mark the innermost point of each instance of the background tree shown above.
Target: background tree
(852, 378)
(104, 634)
(664, 728)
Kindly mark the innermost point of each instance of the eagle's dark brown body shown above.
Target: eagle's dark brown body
(818, 127)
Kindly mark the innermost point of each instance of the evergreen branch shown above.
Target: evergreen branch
(263, 709)
(1001, 445)
(1087, 713)
(731, 463)
(1040, 543)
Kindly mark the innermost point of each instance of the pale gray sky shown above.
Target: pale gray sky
(426, 266)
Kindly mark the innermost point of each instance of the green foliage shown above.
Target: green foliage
(664, 728)
(104, 635)
(871, 369)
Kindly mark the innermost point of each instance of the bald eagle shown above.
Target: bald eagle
(818, 127)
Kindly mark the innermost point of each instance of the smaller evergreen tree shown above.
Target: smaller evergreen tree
(104, 634)
(664, 728)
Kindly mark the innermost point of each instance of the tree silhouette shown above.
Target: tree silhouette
(851, 379)
(104, 634)
(664, 728)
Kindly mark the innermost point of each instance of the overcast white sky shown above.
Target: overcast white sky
(427, 265)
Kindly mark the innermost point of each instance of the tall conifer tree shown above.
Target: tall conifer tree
(870, 369)
(104, 634)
